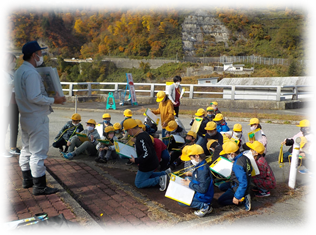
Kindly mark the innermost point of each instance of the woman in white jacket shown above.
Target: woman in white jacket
(174, 93)
(10, 108)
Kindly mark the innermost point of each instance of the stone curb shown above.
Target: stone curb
(75, 206)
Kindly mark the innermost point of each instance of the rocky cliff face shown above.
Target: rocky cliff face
(199, 27)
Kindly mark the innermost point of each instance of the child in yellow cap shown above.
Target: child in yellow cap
(200, 180)
(200, 113)
(86, 146)
(68, 130)
(106, 151)
(210, 112)
(214, 105)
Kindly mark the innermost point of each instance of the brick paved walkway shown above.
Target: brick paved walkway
(107, 203)
(21, 203)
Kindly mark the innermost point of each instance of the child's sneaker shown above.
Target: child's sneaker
(128, 163)
(262, 194)
(163, 182)
(305, 171)
(313, 176)
(205, 210)
(15, 151)
(68, 156)
(247, 202)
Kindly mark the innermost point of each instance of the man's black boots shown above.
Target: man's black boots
(27, 179)
(40, 187)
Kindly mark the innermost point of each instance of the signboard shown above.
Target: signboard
(130, 84)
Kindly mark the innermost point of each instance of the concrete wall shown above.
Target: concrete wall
(130, 63)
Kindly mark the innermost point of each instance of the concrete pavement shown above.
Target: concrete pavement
(92, 197)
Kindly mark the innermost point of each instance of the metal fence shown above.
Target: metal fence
(241, 59)
(232, 92)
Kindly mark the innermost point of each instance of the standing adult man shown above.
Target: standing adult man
(174, 93)
(34, 106)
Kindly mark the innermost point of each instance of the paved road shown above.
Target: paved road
(291, 212)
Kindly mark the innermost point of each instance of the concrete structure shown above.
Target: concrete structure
(198, 25)
(268, 93)
(207, 81)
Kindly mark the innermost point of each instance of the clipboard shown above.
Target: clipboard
(105, 142)
(99, 128)
(255, 169)
(179, 192)
(196, 124)
(152, 116)
(124, 149)
(178, 139)
(222, 166)
(255, 135)
(82, 137)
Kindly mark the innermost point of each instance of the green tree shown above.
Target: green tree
(292, 68)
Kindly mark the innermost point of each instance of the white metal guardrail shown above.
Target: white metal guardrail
(232, 92)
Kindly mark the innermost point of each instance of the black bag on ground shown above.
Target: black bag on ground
(56, 225)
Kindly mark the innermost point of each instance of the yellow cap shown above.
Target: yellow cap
(200, 112)
(140, 123)
(106, 115)
(117, 126)
(127, 113)
(160, 96)
(184, 156)
(209, 109)
(109, 129)
(210, 142)
(303, 141)
(172, 125)
(253, 121)
(304, 123)
(192, 133)
(257, 146)
(76, 117)
(195, 149)
(229, 147)
(129, 124)
(213, 103)
(237, 127)
(92, 121)
(210, 126)
(218, 117)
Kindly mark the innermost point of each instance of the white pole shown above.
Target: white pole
(294, 162)
(76, 104)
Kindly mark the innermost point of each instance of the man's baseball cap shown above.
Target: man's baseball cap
(31, 47)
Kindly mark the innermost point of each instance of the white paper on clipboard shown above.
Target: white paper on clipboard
(99, 128)
(255, 169)
(179, 192)
(178, 139)
(51, 80)
(222, 166)
(152, 116)
(125, 150)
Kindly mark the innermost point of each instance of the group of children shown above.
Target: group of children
(203, 144)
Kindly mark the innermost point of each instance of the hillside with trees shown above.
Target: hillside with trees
(85, 33)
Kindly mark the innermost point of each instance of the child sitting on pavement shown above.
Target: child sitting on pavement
(200, 180)
(221, 123)
(146, 159)
(87, 146)
(118, 132)
(106, 151)
(69, 130)
(210, 113)
(237, 189)
(265, 180)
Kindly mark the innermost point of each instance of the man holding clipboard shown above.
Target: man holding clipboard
(146, 159)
